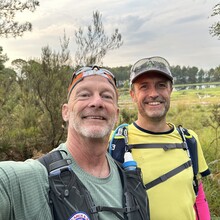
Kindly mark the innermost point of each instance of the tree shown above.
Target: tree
(93, 46)
(201, 76)
(121, 74)
(192, 74)
(6, 79)
(215, 28)
(8, 9)
(177, 74)
(43, 88)
(3, 59)
(7, 103)
(216, 75)
(213, 121)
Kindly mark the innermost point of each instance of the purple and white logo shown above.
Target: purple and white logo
(80, 216)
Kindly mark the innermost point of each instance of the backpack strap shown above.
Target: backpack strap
(158, 145)
(54, 160)
(121, 130)
(68, 193)
(119, 145)
(168, 175)
(192, 151)
(191, 146)
(135, 195)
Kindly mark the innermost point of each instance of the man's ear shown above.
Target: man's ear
(117, 116)
(65, 112)
(132, 95)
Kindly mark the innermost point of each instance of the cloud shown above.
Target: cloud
(178, 30)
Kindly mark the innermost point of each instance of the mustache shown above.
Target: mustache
(94, 114)
(157, 99)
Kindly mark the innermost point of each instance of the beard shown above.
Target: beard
(156, 114)
(92, 130)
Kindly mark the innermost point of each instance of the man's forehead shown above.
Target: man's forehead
(94, 83)
(150, 76)
(95, 80)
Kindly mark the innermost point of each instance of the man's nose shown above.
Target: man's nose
(96, 101)
(153, 92)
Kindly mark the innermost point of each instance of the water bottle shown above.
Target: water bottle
(129, 163)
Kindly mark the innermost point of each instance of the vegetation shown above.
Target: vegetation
(182, 75)
(31, 100)
(31, 94)
(93, 46)
(8, 9)
(215, 28)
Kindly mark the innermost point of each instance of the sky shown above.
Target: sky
(177, 30)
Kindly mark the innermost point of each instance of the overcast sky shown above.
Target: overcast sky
(176, 29)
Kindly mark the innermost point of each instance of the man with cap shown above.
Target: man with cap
(90, 114)
(167, 170)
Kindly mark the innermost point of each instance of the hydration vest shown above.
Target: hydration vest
(70, 199)
(118, 145)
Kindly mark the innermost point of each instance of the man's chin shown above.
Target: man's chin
(95, 133)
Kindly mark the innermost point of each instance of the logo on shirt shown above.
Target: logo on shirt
(80, 216)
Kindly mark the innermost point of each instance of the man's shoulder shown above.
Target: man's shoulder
(22, 169)
(189, 133)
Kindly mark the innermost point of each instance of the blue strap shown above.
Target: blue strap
(113, 136)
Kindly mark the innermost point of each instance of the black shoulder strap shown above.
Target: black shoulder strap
(191, 146)
(119, 144)
(68, 193)
(192, 150)
(53, 160)
(165, 146)
(168, 175)
(135, 195)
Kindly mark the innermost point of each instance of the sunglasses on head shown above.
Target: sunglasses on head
(152, 62)
(89, 71)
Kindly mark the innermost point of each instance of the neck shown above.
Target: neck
(89, 154)
(158, 125)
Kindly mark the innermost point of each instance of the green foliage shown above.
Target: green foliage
(215, 28)
(127, 115)
(44, 86)
(212, 189)
(182, 75)
(3, 59)
(93, 46)
(31, 100)
(8, 10)
(122, 75)
(213, 121)
(193, 75)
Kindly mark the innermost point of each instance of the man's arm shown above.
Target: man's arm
(201, 205)
(23, 191)
(5, 205)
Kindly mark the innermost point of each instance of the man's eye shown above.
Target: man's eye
(162, 85)
(105, 96)
(84, 95)
(143, 86)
